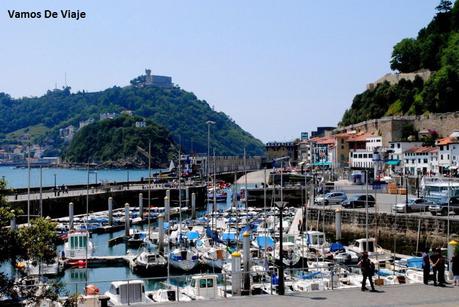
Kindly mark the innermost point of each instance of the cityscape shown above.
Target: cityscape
(204, 154)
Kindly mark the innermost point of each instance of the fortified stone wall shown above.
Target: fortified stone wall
(390, 127)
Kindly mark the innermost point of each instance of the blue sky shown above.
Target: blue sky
(276, 67)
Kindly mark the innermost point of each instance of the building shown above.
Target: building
(448, 153)
(141, 124)
(104, 116)
(84, 123)
(395, 161)
(421, 161)
(158, 81)
(276, 150)
(322, 131)
(67, 133)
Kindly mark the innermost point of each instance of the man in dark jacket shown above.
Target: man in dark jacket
(425, 267)
(368, 270)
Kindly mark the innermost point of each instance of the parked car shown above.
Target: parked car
(331, 198)
(414, 205)
(441, 206)
(359, 200)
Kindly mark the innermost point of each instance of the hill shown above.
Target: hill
(179, 111)
(116, 141)
(436, 48)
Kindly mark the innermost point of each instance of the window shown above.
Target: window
(210, 283)
(202, 283)
(441, 147)
(441, 157)
(425, 161)
(392, 145)
(398, 145)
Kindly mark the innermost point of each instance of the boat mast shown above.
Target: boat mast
(214, 206)
(180, 188)
(149, 188)
(28, 185)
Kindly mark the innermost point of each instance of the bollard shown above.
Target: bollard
(338, 224)
(141, 205)
(126, 219)
(236, 273)
(246, 248)
(161, 232)
(110, 211)
(71, 215)
(187, 197)
(13, 223)
(193, 206)
(167, 208)
(452, 246)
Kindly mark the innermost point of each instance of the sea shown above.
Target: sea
(19, 177)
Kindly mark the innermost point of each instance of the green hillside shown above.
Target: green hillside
(117, 140)
(436, 48)
(179, 111)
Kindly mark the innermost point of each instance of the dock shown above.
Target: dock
(102, 261)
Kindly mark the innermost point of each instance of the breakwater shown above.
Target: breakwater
(97, 200)
(406, 232)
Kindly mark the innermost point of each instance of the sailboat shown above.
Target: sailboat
(149, 261)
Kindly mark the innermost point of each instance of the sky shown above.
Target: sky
(276, 67)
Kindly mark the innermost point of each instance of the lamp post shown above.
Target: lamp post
(281, 290)
(209, 122)
(55, 185)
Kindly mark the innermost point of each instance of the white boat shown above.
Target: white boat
(33, 268)
(185, 259)
(167, 295)
(315, 241)
(202, 287)
(127, 292)
(78, 246)
(215, 257)
(375, 252)
(291, 254)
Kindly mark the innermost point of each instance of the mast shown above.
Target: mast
(245, 182)
(149, 188)
(41, 190)
(28, 185)
(214, 206)
(180, 189)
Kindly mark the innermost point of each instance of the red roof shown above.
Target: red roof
(362, 137)
(445, 141)
(325, 140)
(422, 149)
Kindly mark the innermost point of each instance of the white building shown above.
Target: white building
(421, 161)
(141, 124)
(448, 153)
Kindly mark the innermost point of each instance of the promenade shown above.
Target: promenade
(398, 295)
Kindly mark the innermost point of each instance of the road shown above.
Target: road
(398, 295)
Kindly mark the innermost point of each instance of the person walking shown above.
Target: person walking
(455, 267)
(440, 265)
(433, 261)
(425, 267)
(368, 270)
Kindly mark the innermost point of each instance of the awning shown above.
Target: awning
(393, 162)
(322, 163)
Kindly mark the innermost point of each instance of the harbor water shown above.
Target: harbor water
(18, 177)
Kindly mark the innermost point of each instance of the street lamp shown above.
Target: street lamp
(281, 205)
(209, 122)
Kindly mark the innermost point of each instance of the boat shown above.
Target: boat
(167, 295)
(149, 262)
(290, 251)
(184, 259)
(34, 268)
(202, 287)
(128, 292)
(215, 257)
(78, 245)
(220, 196)
(136, 239)
(375, 252)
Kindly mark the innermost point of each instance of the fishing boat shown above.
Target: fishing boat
(127, 292)
(168, 295)
(78, 245)
(203, 286)
(215, 257)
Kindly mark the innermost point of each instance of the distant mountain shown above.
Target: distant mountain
(435, 50)
(179, 111)
(117, 141)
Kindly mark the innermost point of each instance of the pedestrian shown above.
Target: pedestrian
(300, 225)
(433, 261)
(368, 270)
(455, 267)
(440, 265)
(425, 267)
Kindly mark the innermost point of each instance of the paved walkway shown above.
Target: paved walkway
(296, 220)
(254, 177)
(399, 295)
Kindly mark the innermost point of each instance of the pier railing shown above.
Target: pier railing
(318, 276)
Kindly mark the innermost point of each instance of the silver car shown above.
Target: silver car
(331, 198)
(414, 205)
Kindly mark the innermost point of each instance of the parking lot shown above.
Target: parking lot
(384, 201)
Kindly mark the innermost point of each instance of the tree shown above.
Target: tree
(444, 6)
(36, 242)
(406, 56)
